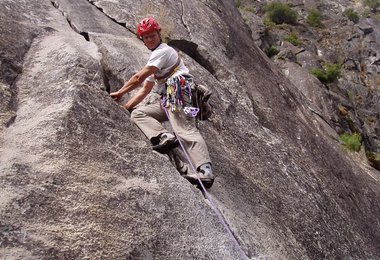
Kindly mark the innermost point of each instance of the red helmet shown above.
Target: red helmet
(147, 25)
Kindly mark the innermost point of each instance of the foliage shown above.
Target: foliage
(293, 39)
(328, 74)
(350, 95)
(268, 23)
(351, 15)
(249, 8)
(314, 18)
(373, 4)
(352, 142)
(238, 3)
(271, 51)
(280, 13)
(374, 159)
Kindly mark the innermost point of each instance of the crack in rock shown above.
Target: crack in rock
(123, 24)
(106, 73)
(183, 20)
(12, 69)
(84, 34)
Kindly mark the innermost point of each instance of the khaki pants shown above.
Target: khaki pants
(149, 116)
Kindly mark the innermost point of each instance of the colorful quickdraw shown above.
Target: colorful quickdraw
(174, 91)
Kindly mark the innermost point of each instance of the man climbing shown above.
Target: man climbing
(167, 72)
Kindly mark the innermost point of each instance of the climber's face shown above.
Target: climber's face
(152, 40)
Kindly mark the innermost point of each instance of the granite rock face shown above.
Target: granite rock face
(78, 180)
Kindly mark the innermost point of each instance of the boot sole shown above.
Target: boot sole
(207, 183)
(164, 148)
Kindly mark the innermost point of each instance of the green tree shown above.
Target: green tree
(314, 18)
(293, 39)
(271, 51)
(373, 4)
(328, 74)
(281, 13)
(352, 15)
(352, 142)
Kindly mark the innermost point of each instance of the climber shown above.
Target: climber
(168, 77)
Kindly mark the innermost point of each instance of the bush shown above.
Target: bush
(328, 74)
(351, 15)
(268, 23)
(293, 39)
(314, 18)
(350, 95)
(374, 159)
(351, 142)
(238, 3)
(249, 8)
(373, 4)
(280, 13)
(320, 74)
(271, 51)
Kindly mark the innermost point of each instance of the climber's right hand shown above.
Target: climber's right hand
(116, 95)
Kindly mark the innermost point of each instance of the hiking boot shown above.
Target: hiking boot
(167, 142)
(204, 174)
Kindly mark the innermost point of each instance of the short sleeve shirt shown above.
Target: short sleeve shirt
(164, 58)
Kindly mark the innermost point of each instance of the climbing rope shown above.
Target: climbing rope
(207, 195)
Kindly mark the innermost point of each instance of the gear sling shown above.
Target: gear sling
(176, 87)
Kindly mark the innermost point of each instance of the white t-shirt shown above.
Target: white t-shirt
(164, 58)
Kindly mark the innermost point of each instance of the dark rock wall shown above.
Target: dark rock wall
(78, 180)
